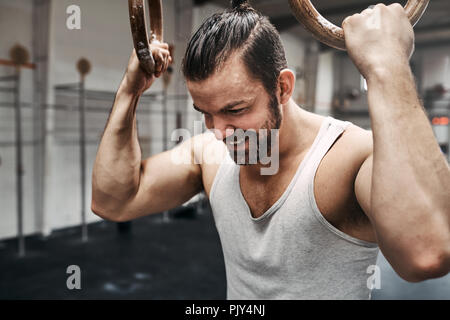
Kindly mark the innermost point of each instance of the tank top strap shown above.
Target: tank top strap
(332, 130)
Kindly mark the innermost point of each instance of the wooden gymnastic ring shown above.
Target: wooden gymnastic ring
(332, 35)
(139, 30)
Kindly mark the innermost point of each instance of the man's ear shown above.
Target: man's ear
(286, 84)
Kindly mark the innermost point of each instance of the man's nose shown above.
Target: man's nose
(222, 130)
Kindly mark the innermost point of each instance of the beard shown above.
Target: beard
(263, 137)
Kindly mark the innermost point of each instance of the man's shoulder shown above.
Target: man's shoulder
(209, 154)
(356, 142)
(348, 153)
(208, 150)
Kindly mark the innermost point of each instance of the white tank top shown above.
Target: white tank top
(291, 251)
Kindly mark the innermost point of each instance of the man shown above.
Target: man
(313, 228)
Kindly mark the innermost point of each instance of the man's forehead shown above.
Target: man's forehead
(224, 78)
(226, 96)
(229, 84)
(230, 72)
(218, 86)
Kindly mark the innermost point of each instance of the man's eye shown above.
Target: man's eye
(236, 111)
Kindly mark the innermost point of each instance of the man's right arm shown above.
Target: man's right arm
(124, 186)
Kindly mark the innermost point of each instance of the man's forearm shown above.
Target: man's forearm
(117, 165)
(410, 178)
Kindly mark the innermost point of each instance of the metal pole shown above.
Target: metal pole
(82, 92)
(19, 165)
(40, 43)
(166, 217)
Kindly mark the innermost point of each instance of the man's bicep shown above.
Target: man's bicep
(167, 180)
(363, 183)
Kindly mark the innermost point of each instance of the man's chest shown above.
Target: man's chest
(261, 195)
(333, 193)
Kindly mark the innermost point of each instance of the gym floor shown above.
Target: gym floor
(179, 259)
(148, 259)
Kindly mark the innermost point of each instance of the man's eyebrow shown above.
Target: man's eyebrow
(232, 105)
(225, 108)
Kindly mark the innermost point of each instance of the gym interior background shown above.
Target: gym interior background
(51, 123)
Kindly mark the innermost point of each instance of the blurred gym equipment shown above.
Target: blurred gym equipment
(83, 67)
(437, 104)
(19, 56)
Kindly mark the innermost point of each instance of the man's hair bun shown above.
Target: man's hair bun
(238, 4)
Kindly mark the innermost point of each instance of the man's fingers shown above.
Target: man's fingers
(346, 21)
(157, 56)
(165, 52)
(367, 11)
(161, 62)
(161, 45)
(161, 55)
(397, 6)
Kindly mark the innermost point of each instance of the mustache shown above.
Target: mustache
(240, 134)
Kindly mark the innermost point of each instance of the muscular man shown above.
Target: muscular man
(312, 229)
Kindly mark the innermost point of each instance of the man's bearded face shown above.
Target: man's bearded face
(246, 147)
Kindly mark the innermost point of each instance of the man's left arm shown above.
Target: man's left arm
(404, 186)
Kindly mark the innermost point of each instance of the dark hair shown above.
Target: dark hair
(243, 29)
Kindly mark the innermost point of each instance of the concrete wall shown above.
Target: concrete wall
(435, 63)
(104, 39)
(295, 55)
(325, 84)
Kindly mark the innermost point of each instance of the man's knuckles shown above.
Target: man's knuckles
(351, 20)
(380, 6)
(367, 12)
(396, 6)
